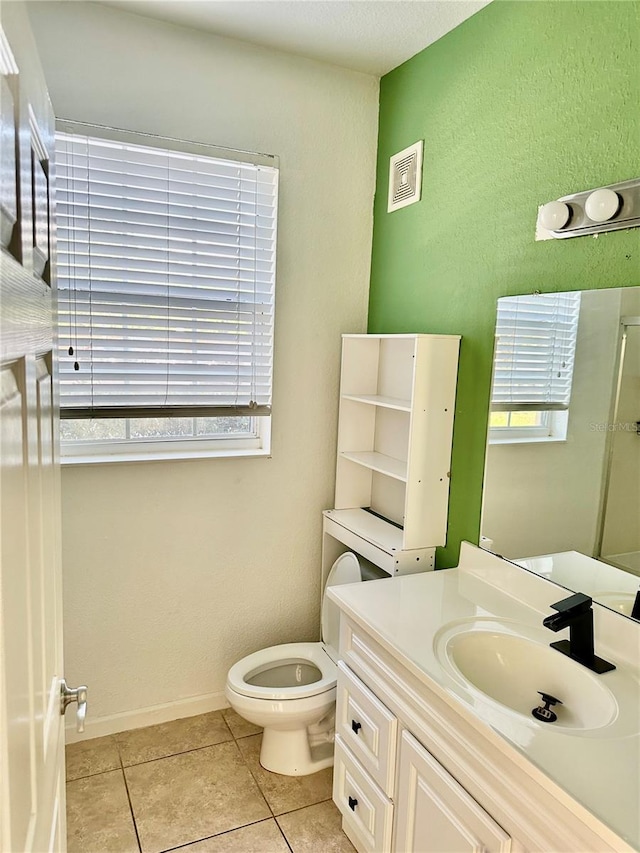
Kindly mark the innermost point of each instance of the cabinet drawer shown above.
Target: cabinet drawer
(367, 812)
(367, 727)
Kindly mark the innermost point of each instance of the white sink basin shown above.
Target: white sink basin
(510, 670)
(621, 601)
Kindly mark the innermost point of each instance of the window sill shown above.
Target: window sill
(549, 439)
(105, 458)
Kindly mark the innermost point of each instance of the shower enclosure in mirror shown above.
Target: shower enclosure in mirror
(619, 541)
(563, 457)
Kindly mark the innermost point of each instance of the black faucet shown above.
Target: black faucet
(576, 613)
(635, 610)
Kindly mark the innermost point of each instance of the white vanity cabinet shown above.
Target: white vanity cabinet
(413, 774)
(392, 792)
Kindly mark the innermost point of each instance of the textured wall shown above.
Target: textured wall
(174, 570)
(522, 103)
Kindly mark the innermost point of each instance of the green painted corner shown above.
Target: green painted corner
(522, 103)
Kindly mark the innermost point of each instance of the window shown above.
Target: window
(166, 282)
(533, 367)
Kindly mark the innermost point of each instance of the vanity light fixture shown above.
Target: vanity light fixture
(609, 208)
(555, 215)
(602, 205)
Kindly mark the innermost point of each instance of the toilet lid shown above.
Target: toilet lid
(346, 569)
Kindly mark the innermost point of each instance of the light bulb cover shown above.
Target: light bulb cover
(602, 205)
(554, 215)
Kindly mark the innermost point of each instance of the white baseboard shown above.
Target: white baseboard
(109, 725)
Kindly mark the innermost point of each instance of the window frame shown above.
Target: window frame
(87, 451)
(258, 443)
(554, 429)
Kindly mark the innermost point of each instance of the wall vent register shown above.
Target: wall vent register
(405, 177)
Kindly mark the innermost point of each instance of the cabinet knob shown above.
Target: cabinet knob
(356, 726)
(353, 803)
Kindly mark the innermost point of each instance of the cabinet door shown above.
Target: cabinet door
(434, 814)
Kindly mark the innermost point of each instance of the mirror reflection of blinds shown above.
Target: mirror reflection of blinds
(535, 352)
(166, 279)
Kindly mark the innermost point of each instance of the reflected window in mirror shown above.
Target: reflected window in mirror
(533, 367)
(527, 426)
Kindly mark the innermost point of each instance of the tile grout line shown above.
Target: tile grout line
(251, 773)
(91, 775)
(133, 817)
(300, 808)
(286, 840)
(126, 787)
(179, 752)
(174, 754)
(171, 755)
(255, 779)
(220, 834)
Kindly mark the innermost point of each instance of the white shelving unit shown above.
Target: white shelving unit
(397, 397)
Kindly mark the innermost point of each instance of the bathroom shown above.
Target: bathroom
(173, 570)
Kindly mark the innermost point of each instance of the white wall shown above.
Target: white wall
(541, 498)
(174, 570)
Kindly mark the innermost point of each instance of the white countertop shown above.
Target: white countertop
(598, 768)
(604, 583)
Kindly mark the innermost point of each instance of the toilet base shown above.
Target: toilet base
(298, 733)
(289, 753)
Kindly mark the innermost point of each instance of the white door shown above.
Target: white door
(435, 814)
(31, 726)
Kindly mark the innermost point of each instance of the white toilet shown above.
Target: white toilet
(290, 690)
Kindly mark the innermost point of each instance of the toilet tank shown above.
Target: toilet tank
(346, 569)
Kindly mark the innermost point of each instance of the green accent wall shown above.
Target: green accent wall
(522, 103)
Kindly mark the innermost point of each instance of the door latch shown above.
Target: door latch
(68, 695)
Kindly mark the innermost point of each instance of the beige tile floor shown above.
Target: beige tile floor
(194, 785)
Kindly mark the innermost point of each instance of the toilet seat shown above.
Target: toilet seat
(346, 569)
(312, 653)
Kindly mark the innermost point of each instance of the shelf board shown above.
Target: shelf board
(378, 462)
(376, 530)
(378, 400)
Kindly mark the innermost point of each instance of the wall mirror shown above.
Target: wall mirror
(562, 468)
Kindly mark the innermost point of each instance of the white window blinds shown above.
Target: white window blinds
(535, 352)
(166, 278)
